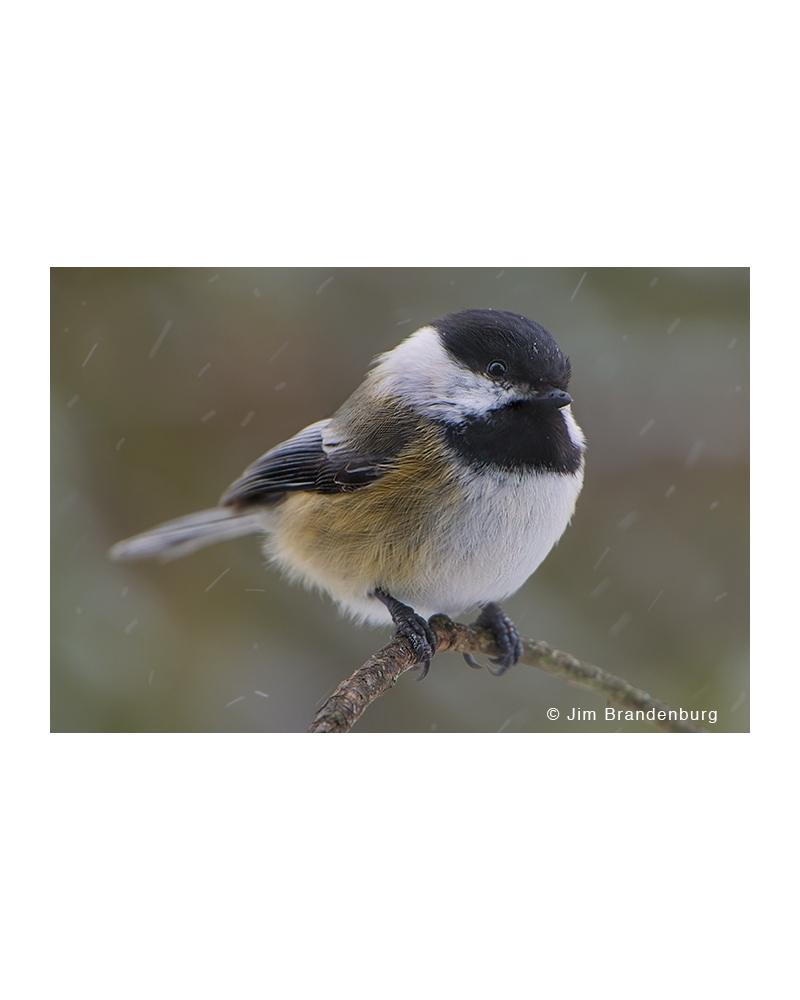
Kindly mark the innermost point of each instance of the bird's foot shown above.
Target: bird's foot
(509, 643)
(413, 628)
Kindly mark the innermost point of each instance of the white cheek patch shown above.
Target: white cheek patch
(574, 431)
(423, 373)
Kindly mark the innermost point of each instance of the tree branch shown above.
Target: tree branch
(382, 670)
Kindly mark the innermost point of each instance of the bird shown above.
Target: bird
(438, 486)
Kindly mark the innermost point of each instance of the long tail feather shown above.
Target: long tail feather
(187, 534)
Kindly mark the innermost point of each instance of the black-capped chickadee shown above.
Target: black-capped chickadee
(439, 485)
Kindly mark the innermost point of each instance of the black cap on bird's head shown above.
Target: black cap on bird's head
(518, 416)
(505, 347)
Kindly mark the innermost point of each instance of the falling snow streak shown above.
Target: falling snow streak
(160, 340)
(217, 579)
(654, 601)
(324, 284)
(275, 355)
(578, 286)
(602, 557)
(327, 695)
(620, 624)
(695, 452)
(86, 362)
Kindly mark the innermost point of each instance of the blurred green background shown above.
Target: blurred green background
(166, 383)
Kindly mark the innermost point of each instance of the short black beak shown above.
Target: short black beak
(553, 397)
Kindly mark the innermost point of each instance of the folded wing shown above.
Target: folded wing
(313, 461)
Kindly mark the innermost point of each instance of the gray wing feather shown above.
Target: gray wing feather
(187, 534)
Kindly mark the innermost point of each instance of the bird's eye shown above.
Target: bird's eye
(496, 369)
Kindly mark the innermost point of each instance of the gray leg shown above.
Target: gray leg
(412, 627)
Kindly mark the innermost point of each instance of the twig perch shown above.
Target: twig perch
(380, 673)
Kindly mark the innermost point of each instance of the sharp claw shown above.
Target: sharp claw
(509, 644)
(413, 628)
(470, 659)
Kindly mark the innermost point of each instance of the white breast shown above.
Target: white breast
(499, 539)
